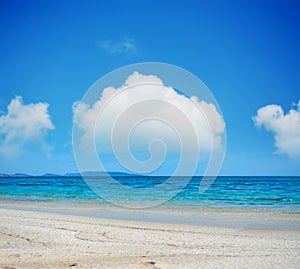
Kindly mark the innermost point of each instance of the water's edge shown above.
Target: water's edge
(222, 218)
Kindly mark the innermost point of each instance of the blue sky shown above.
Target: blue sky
(246, 52)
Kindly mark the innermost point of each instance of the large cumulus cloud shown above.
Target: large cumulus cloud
(205, 118)
(285, 127)
(24, 124)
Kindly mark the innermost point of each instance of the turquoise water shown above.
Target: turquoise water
(278, 193)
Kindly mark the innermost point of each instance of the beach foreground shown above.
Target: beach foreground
(45, 240)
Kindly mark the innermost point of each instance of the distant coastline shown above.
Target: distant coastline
(123, 174)
(87, 173)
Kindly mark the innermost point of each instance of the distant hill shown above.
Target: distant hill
(20, 175)
(50, 175)
(98, 174)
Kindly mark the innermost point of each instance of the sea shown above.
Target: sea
(273, 193)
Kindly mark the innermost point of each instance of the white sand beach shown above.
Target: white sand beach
(31, 239)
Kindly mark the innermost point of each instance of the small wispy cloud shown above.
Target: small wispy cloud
(126, 45)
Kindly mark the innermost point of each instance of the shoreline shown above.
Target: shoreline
(236, 218)
(32, 239)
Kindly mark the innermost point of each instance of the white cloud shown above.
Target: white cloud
(286, 127)
(137, 88)
(126, 45)
(24, 124)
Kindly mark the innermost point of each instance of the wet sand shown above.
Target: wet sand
(34, 239)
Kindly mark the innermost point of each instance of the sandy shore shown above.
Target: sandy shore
(46, 240)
